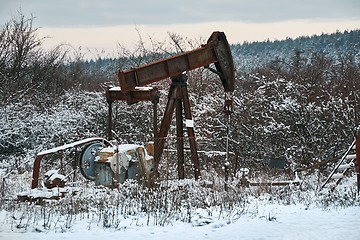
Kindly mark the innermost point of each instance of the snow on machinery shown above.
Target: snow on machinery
(106, 162)
(100, 160)
(103, 161)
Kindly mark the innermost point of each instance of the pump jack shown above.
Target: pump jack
(217, 51)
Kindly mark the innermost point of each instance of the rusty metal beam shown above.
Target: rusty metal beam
(164, 128)
(110, 121)
(135, 95)
(357, 161)
(216, 51)
(36, 171)
(180, 139)
(191, 132)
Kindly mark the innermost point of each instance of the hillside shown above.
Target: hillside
(250, 55)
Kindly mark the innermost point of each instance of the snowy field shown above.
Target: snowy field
(262, 221)
(186, 209)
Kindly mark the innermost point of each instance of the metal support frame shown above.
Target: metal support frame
(216, 51)
(178, 98)
(228, 110)
(133, 96)
(357, 161)
(41, 155)
(180, 139)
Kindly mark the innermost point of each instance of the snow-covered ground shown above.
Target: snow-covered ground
(187, 210)
(262, 221)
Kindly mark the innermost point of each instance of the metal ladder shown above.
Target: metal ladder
(342, 168)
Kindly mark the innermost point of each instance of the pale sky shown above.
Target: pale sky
(100, 25)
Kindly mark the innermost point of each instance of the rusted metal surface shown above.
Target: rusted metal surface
(191, 133)
(53, 179)
(178, 98)
(164, 128)
(217, 51)
(41, 155)
(136, 95)
(357, 161)
(180, 138)
(42, 196)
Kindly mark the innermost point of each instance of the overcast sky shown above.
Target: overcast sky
(102, 23)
